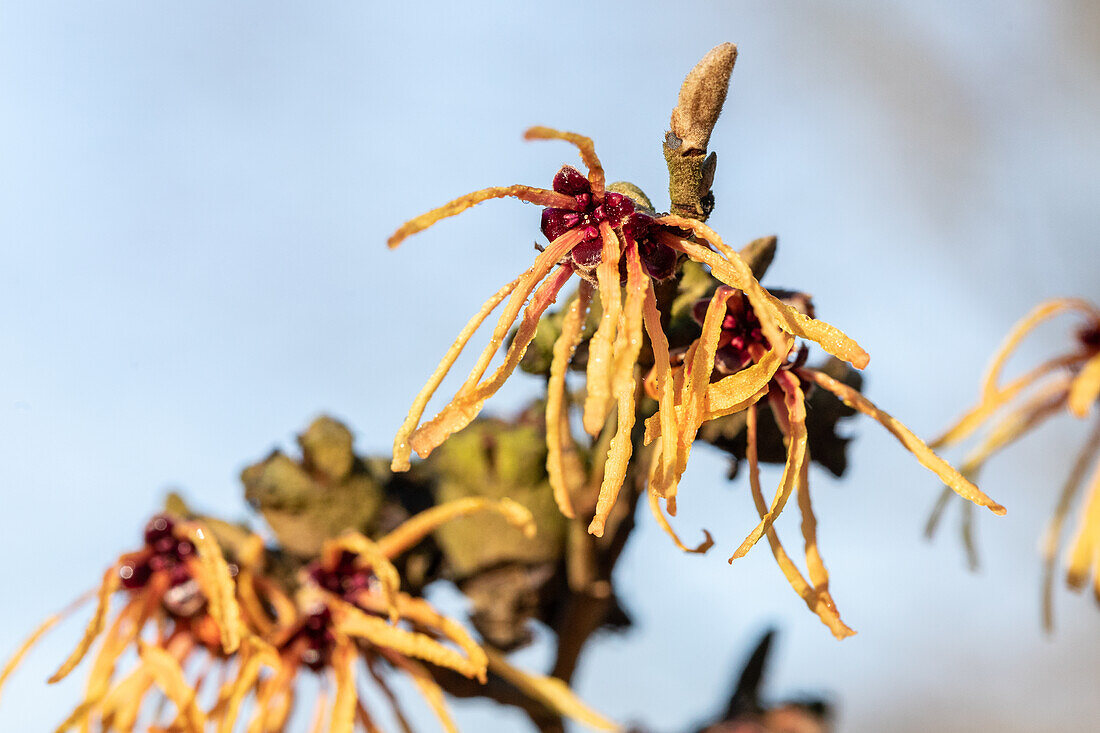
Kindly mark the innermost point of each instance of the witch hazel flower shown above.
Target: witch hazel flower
(178, 584)
(1067, 382)
(609, 241)
(732, 368)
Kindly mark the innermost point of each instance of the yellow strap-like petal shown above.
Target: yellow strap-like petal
(952, 478)
(550, 691)
(217, 585)
(1086, 388)
(624, 386)
(829, 337)
(427, 686)
(166, 670)
(1037, 316)
(402, 451)
(529, 194)
(825, 611)
(343, 710)
(559, 442)
(374, 557)
(597, 401)
(973, 419)
(796, 439)
(1052, 537)
(584, 147)
(664, 524)
(95, 626)
(665, 418)
(1082, 554)
(413, 530)
(470, 399)
(357, 624)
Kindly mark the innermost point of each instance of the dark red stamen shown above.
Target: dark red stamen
(616, 210)
(163, 553)
(571, 182)
(134, 573)
(158, 528)
(319, 640)
(742, 334)
(346, 579)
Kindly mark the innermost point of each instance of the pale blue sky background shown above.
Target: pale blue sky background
(193, 209)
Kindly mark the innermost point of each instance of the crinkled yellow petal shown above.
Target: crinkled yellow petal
(597, 402)
(275, 599)
(95, 626)
(1086, 388)
(255, 654)
(468, 402)
(763, 304)
(401, 448)
(343, 710)
(123, 631)
(530, 194)
(663, 523)
(523, 287)
(1083, 552)
(252, 608)
(550, 691)
(796, 453)
(122, 705)
(169, 677)
(38, 633)
(419, 526)
(729, 394)
(826, 612)
(31, 640)
(665, 419)
(958, 483)
(624, 386)
(427, 687)
(273, 701)
(1052, 537)
(217, 585)
(1037, 316)
(697, 382)
(732, 271)
(422, 613)
(355, 623)
(1044, 404)
(375, 558)
(584, 147)
(815, 566)
(558, 439)
(965, 426)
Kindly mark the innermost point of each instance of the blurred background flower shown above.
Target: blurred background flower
(194, 207)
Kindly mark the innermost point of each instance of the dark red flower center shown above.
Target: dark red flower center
(742, 333)
(346, 579)
(316, 638)
(615, 209)
(163, 553)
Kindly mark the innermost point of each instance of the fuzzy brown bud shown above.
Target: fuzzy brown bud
(701, 98)
(690, 169)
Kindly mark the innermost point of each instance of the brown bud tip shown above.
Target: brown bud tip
(701, 99)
